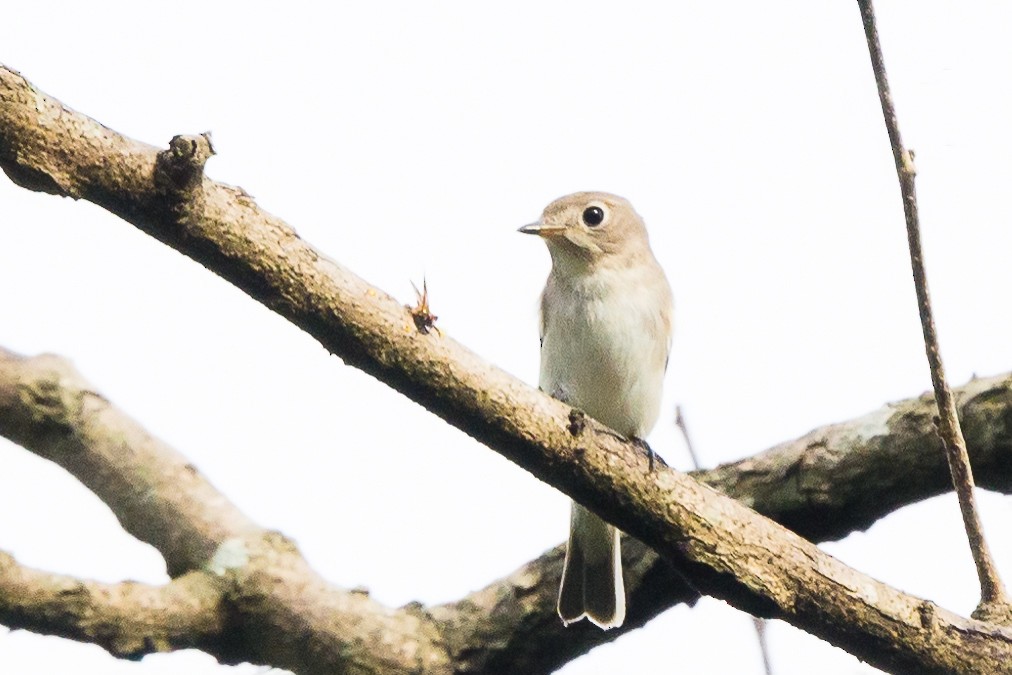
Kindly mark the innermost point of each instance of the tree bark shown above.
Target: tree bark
(715, 543)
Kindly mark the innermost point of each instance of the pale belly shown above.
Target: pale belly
(613, 370)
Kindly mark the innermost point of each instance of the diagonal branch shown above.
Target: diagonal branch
(994, 604)
(758, 623)
(723, 548)
(827, 483)
(47, 407)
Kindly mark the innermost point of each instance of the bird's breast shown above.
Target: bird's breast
(605, 352)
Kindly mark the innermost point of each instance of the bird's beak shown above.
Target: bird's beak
(542, 230)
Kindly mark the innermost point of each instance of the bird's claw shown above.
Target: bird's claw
(651, 455)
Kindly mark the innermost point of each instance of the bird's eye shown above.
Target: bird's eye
(593, 216)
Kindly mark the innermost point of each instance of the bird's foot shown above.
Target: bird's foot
(560, 394)
(651, 455)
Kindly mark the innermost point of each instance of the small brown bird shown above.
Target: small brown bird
(605, 336)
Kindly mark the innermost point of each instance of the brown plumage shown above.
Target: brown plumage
(605, 335)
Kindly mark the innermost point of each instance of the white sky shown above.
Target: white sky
(409, 139)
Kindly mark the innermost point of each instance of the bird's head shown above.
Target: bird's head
(590, 229)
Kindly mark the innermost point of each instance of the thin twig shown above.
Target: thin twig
(680, 423)
(994, 604)
(760, 630)
(759, 623)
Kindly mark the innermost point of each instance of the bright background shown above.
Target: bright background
(408, 139)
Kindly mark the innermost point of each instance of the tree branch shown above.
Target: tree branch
(724, 549)
(758, 623)
(827, 483)
(994, 604)
(47, 407)
(830, 482)
(278, 610)
(127, 619)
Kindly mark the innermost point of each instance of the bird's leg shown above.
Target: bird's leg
(650, 452)
(614, 434)
(577, 422)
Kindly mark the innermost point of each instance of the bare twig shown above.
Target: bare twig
(994, 604)
(760, 629)
(680, 423)
(758, 622)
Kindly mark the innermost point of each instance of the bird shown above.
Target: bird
(606, 326)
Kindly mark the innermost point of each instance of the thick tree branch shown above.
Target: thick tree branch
(843, 477)
(47, 407)
(128, 619)
(274, 609)
(994, 603)
(757, 622)
(828, 483)
(724, 549)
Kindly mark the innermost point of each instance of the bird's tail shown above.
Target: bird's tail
(592, 577)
